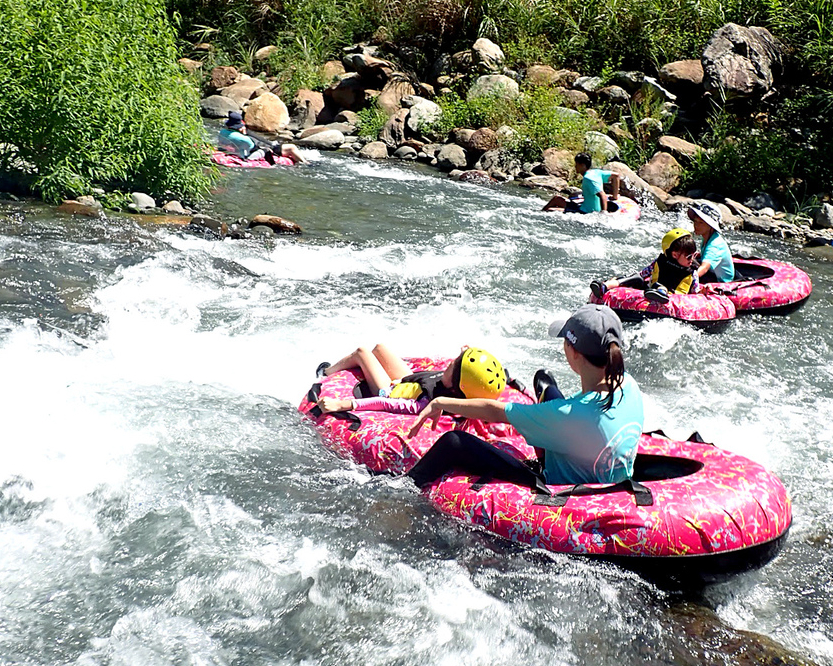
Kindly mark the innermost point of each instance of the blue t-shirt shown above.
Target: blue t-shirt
(591, 184)
(239, 143)
(583, 443)
(716, 251)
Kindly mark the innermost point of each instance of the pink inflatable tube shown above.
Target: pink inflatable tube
(627, 208)
(698, 514)
(765, 287)
(232, 160)
(709, 311)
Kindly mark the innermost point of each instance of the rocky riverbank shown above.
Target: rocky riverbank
(377, 111)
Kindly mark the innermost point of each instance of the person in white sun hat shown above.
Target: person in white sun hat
(716, 263)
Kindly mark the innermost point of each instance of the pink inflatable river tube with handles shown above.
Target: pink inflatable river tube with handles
(704, 310)
(232, 160)
(764, 287)
(693, 513)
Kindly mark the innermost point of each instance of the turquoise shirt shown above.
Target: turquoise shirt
(716, 251)
(239, 143)
(591, 184)
(584, 444)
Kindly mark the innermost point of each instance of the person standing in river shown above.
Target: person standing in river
(592, 189)
(716, 264)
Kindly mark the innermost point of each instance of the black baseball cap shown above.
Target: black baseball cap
(590, 330)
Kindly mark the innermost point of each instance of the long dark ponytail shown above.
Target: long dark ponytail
(614, 365)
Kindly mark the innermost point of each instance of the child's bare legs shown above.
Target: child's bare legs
(556, 202)
(379, 366)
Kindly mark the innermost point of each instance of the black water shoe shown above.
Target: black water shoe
(658, 294)
(542, 380)
(319, 371)
(598, 288)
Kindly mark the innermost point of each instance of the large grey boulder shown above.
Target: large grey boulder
(662, 171)
(742, 62)
(307, 105)
(142, 201)
(267, 113)
(631, 185)
(375, 150)
(451, 156)
(405, 153)
(600, 146)
(393, 133)
(494, 85)
(326, 140)
(683, 76)
(424, 112)
(243, 91)
(347, 92)
(651, 88)
(217, 106)
(564, 114)
(487, 56)
(500, 160)
(559, 162)
(823, 219)
(588, 84)
(629, 80)
(761, 200)
(390, 99)
(679, 148)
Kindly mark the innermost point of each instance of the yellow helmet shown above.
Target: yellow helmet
(673, 235)
(481, 374)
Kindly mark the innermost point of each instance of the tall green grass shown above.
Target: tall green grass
(92, 95)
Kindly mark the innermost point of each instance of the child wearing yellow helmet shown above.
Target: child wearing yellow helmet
(474, 373)
(673, 271)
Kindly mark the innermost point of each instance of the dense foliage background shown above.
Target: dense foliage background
(92, 95)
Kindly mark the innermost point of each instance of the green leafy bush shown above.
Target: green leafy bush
(478, 112)
(543, 123)
(371, 121)
(92, 94)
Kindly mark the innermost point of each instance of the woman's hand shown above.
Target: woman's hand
(328, 405)
(433, 410)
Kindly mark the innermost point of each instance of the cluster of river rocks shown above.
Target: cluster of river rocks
(738, 63)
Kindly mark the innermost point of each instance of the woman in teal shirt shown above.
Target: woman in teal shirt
(716, 263)
(590, 437)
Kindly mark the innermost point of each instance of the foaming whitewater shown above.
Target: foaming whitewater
(162, 501)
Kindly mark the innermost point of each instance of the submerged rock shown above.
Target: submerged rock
(276, 224)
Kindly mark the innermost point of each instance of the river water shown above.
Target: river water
(162, 501)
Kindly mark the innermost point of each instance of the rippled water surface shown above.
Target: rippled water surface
(162, 501)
